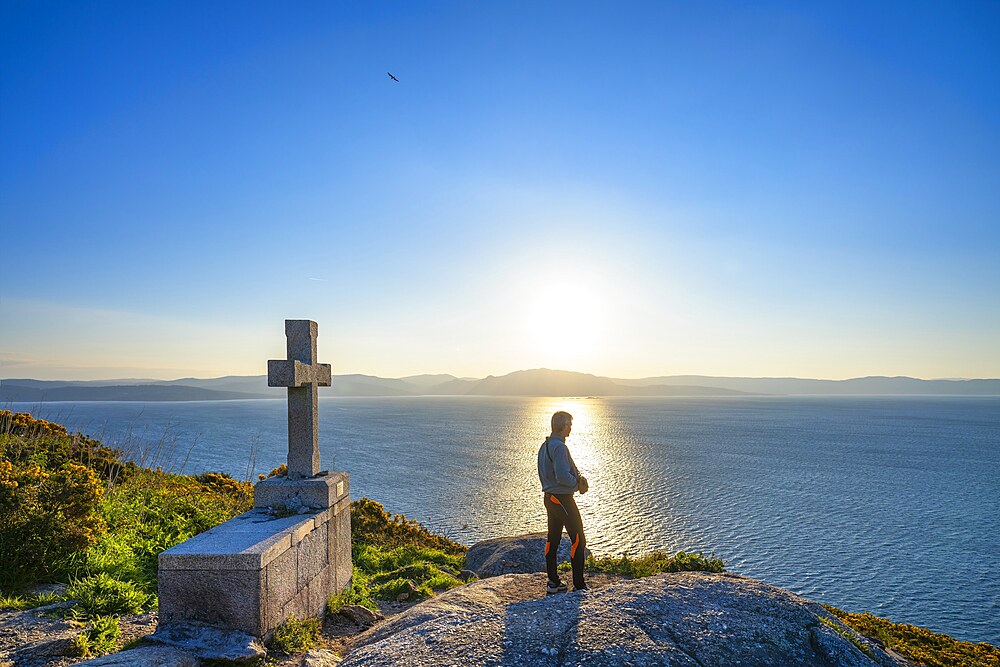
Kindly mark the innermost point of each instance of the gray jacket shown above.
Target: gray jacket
(556, 468)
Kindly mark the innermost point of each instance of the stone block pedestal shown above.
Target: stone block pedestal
(255, 570)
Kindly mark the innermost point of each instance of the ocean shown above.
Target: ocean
(885, 504)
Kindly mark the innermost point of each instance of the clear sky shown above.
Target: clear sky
(626, 189)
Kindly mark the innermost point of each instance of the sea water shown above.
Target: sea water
(886, 504)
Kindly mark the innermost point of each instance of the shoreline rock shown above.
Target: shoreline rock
(521, 554)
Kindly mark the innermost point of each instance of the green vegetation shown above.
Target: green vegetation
(100, 638)
(372, 525)
(650, 564)
(396, 558)
(101, 594)
(920, 644)
(848, 635)
(20, 602)
(358, 593)
(72, 509)
(296, 636)
(49, 497)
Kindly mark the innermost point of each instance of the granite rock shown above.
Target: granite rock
(146, 656)
(522, 554)
(209, 643)
(689, 618)
(361, 615)
(33, 637)
(321, 658)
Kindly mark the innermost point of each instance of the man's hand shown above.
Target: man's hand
(583, 484)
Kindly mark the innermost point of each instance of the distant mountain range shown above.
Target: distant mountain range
(538, 382)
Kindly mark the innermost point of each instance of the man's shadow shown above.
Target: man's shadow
(542, 631)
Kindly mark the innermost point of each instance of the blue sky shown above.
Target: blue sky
(628, 189)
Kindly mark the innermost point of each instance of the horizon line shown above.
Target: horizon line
(523, 370)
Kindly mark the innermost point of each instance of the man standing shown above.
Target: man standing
(560, 479)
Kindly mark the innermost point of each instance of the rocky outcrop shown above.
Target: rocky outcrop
(512, 555)
(146, 656)
(687, 619)
(320, 658)
(45, 636)
(36, 636)
(362, 616)
(210, 643)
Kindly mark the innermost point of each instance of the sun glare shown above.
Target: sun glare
(564, 323)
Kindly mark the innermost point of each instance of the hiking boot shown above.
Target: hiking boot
(556, 587)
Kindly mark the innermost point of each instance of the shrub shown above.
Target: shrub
(45, 517)
(225, 485)
(100, 638)
(296, 636)
(920, 644)
(55, 508)
(101, 594)
(280, 471)
(30, 441)
(372, 525)
(652, 563)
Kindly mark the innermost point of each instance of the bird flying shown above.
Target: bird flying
(392, 77)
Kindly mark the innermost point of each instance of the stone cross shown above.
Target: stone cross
(303, 377)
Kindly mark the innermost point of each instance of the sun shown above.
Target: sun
(564, 322)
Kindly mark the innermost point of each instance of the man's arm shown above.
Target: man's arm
(562, 467)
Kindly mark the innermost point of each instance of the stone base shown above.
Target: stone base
(319, 492)
(260, 568)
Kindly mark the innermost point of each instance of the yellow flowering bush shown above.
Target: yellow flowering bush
(227, 486)
(73, 509)
(26, 440)
(45, 516)
(928, 648)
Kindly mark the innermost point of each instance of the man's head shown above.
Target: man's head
(562, 423)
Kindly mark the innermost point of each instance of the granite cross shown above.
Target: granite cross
(303, 377)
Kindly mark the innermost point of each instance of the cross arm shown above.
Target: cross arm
(290, 373)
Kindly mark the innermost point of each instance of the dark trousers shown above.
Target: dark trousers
(563, 512)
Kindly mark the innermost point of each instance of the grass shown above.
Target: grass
(650, 564)
(296, 636)
(396, 557)
(921, 645)
(151, 511)
(99, 638)
(102, 594)
(358, 593)
(22, 602)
